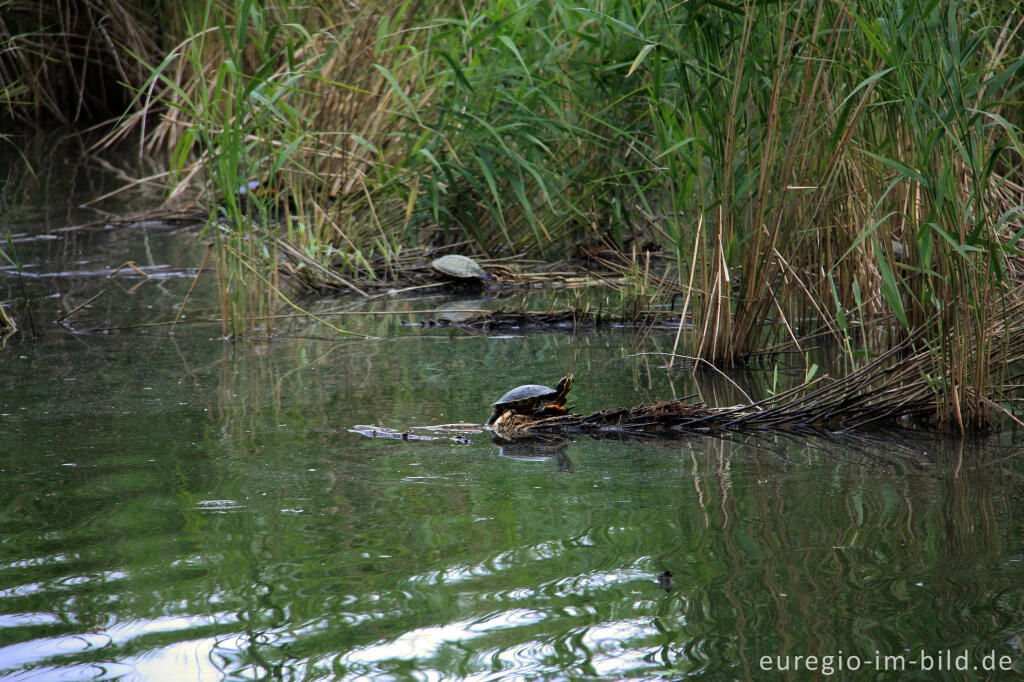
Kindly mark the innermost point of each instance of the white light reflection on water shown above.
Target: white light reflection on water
(188, 660)
(192, 661)
(614, 648)
(426, 642)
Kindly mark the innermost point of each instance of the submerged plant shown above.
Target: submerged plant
(6, 321)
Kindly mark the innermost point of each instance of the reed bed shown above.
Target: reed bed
(798, 168)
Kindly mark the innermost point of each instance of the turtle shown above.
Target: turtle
(459, 267)
(533, 399)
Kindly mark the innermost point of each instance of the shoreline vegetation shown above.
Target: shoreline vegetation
(785, 170)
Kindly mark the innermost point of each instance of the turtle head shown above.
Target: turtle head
(565, 384)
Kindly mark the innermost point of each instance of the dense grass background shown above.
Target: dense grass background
(808, 166)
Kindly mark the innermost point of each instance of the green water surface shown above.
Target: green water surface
(198, 510)
(180, 507)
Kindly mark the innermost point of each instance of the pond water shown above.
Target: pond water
(179, 507)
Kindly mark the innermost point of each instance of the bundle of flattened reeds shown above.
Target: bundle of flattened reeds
(572, 320)
(894, 388)
(411, 268)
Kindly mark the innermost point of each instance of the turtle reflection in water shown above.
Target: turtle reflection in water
(533, 400)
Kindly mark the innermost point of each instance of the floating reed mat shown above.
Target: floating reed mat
(677, 418)
(558, 320)
(411, 268)
(890, 391)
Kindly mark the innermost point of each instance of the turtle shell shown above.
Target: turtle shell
(525, 397)
(459, 267)
(531, 397)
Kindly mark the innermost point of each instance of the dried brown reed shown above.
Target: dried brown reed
(73, 63)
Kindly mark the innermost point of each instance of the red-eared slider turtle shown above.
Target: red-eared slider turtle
(459, 267)
(533, 399)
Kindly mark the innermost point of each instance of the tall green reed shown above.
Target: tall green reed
(494, 133)
(231, 88)
(946, 140)
(765, 134)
